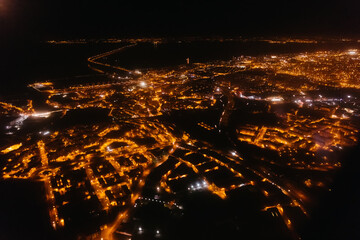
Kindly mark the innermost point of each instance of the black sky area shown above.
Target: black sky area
(62, 19)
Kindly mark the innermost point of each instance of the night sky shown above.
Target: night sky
(47, 19)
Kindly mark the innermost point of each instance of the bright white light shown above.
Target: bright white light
(349, 110)
(109, 149)
(41, 115)
(17, 122)
(275, 99)
(143, 84)
(140, 229)
(352, 52)
(137, 72)
(233, 153)
(349, 96)
(46, 133)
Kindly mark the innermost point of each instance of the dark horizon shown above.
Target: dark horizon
(44, 20)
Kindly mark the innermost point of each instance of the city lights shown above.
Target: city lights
(160, 138)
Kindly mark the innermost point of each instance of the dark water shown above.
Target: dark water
(148, 55)
(31, 62)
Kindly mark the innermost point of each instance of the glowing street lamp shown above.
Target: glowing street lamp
(143, 84)
(352, 52)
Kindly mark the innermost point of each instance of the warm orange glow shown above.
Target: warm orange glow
(11, 148)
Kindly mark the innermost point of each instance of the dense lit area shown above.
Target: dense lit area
(232, 145)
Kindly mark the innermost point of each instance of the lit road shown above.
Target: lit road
(94, 59)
